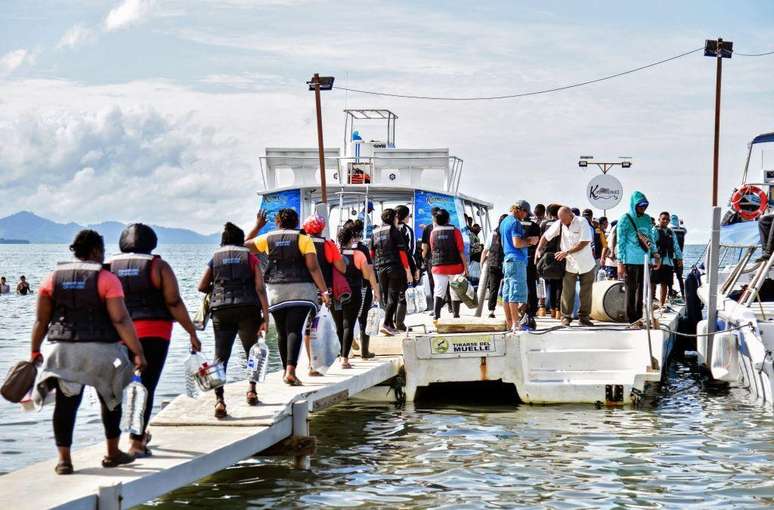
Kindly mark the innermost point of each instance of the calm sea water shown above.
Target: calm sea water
(696, 447)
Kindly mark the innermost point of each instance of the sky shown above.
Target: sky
(157, 111)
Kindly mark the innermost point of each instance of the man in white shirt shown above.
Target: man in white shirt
(575, 245)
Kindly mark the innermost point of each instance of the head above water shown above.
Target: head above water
(2, 279)
(137, 238)
(286, 218)
(88, 245)
(565, 215)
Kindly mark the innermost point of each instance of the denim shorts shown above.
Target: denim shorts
(514, 281)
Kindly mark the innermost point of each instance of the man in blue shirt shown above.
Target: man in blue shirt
(515, 255)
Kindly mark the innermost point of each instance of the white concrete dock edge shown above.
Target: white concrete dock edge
(191, 448)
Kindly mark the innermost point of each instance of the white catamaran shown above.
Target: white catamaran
(609, 364)
(740, 352)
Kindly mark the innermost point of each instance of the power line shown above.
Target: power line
(538, 92)
(522, 94)
(736, 53)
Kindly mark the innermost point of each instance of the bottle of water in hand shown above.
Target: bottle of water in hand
(411, 300)
(374, 320)
(258, 361)
(134, 401)
(192, 365)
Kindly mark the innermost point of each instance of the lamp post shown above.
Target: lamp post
(719, 49)
(318, 83)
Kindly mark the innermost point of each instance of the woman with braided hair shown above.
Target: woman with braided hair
(293, 278)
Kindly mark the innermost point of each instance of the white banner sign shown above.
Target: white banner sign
(604, 192)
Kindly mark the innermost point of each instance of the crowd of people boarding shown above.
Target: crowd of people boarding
(107, 320)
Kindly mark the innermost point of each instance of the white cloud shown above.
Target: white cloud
(75, 36)
(12, 60)
(127, 13)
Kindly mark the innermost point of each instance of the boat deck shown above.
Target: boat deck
(189, 443)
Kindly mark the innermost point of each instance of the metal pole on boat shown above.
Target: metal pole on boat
(712, 279)
(318, 83)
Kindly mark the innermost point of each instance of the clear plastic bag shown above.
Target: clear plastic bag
(374, 320)
(324, 345)
(411, 300)
(420, 299)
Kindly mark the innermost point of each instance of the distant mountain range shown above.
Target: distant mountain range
(36, 229)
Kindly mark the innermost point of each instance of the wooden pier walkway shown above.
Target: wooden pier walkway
(189, 443)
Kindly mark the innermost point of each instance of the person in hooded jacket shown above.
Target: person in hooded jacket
(634, 240)
(238, 303)
(358, 271)
(153, 299)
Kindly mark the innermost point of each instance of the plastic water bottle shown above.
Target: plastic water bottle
(411, 300)
(601, 275)
(192, 365)
(541, 288)
(374, 320)
(258, 361)
(133, 406)
(420, 298)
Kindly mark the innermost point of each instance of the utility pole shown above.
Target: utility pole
(719, 49)
(317, 84)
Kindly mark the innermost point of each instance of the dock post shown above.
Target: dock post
(109, 497)
(301, 429)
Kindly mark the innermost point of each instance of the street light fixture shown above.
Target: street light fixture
(605, 166)
(318, 83)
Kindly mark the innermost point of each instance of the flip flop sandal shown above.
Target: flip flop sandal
(346, 366)
(315, 373)
(292, 382)
(117, 460)
(64, 468)
(141, 454)
(252, 398)
(220, 410)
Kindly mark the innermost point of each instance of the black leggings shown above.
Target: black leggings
(66, 409)
(392, 281)
(493, 287)
(227, 323)
(345, 322)
(290, 335)
(155, 350)
(368, 301)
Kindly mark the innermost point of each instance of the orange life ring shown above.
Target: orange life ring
(741, 203)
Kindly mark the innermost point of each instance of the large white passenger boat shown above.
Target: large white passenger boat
(611, 364)
(741, 352)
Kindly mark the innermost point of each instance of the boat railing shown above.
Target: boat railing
(402, 169)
